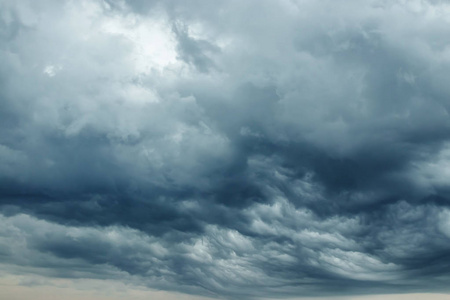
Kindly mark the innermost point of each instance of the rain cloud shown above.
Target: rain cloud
(231, 149)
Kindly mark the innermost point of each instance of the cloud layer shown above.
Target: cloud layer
(233, 149)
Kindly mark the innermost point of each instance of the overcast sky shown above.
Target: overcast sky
(225, 149)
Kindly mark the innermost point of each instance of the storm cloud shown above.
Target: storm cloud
(232, 149)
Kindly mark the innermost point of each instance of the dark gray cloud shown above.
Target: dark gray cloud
(233, 149)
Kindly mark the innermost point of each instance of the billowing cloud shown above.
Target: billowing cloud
(233, 149)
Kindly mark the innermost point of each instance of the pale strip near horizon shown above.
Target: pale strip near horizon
(24, 288)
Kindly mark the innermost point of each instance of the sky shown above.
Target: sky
(255, 149)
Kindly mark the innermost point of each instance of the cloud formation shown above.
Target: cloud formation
(233, 149)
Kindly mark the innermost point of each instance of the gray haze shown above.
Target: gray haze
(237, 149)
